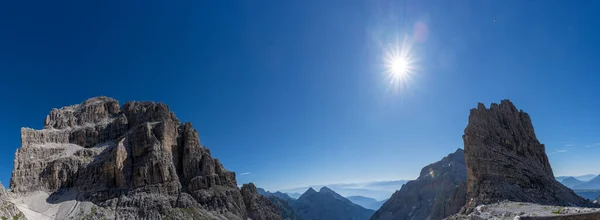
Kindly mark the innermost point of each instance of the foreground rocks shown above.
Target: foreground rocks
(519, 210)
(137, 161)
(505, 160)
(439, 191)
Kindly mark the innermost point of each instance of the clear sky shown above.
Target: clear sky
(294, 93)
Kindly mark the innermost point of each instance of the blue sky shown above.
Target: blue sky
(294, 93)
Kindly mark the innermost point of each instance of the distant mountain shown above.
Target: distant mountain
(586, 177)
(582, 178)
(262, 192)
(590, 194)
(571, 182)
(378, 190)
(283, 202)
(328, 205)
(277, 194)
(294, 195)
(439, 191)
(576, 183)
(593, 183)
(366, 202)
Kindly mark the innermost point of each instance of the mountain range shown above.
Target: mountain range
(324, 204)
(575, 183)
(327, 204)
(366, 202)
(378, 190)
(101, 160)
(584, 178)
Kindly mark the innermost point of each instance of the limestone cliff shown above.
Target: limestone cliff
(505, 160)
(137, 161)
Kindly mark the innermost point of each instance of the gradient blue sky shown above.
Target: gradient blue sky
(293, 93)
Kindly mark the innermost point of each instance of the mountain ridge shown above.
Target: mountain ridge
(439, 191)
(327, 204)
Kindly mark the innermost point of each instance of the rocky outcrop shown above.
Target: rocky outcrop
(137, 161)
(259, 206)
(439, 191)
(505, 160)
(520, 210)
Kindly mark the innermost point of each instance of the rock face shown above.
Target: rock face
(137, 161)
(259, 206)
(505, 161)
(8, 210)
(327, 204)
(439, 191)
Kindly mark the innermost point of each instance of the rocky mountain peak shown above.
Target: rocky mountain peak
(324, 189)
(137, 161)
(310, 190)
(505, 160)
(327, 204)
(452, 163)
(91, 111)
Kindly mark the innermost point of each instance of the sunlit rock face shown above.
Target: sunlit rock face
(439, 191)
(505, 160)
(137, 161)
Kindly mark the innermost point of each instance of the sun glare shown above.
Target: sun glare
(399, 64)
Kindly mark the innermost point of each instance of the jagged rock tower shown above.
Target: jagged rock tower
(505, 160)
(132, 162)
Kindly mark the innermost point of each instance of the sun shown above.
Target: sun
(399, 64)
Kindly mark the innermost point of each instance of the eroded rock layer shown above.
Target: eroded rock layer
(505, 160)
(138, 161)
